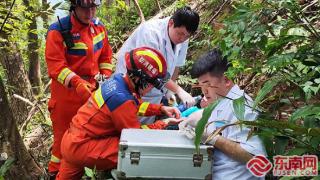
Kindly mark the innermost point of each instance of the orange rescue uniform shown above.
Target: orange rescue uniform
(91, 55)
(93, 137)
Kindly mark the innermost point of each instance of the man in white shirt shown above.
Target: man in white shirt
(232, 149)
(169, 36)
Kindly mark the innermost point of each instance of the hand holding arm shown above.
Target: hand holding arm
(188, 125)
(171, 98)
(170, 111)
(185, 97)
(187, 100)
(172, 121)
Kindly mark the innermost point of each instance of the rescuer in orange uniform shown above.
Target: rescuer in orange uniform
(93, 137)
(77, 49)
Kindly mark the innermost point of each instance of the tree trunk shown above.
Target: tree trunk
(33, 55)
(12, 146)
(17, 79)
(136, 4)
(109, 3)
(34, 61)
(44, 16)
(158, 4)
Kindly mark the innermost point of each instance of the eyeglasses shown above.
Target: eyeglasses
(203, 86)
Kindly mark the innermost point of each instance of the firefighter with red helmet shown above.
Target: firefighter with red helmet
(77, 49)
(93, 137)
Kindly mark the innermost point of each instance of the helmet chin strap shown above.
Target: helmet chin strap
(138, 84)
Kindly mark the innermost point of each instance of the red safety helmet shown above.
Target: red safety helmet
(85, 3)
(149, 65)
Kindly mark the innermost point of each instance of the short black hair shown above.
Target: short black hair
(186, 17)
(212, 62)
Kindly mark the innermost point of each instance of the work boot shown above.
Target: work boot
(52, 175)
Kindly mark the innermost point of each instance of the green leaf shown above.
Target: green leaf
(239, 107)
(122, 4)
(241, 26)
(298, 31)
(315, 142)
(317, 177)
(280, 144)
(277, 45)
(6, 166)
(56, 5)
(263, 41)
(280, 60)
(311, 121)
(247, 37)
(88, 172)
(287, 178)
(267, 87)
(266, 137)
(304, 112)
(297, 151)
(203, 122)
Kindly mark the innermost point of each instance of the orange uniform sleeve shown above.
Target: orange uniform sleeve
(125, 116)
(105, 59)
(156, 125)
(148, 109)
(56, 60)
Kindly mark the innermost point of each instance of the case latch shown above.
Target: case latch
(123, 146)
(197, 160)
(135, 157)
(210, 152)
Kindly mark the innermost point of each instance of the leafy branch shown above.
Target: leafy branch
(7, 16)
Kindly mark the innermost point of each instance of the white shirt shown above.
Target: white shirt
(224, 167)
(154, 34)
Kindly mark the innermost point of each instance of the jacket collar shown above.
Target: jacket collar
(235, 92)
(166, 29)
(130, 86)
(168, 45)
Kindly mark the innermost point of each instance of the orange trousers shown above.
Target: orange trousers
(78, 153)
(63, 105)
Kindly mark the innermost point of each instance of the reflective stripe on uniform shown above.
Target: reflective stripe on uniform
(144, 127)
(98, 97)
(80, 46)
(68, 78)
(98, 38)
(105, 66)
(63, 74)
(143, 108)
(54, 159)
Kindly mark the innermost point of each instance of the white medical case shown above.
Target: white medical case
(161, 154)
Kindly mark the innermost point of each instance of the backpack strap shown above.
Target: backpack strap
(66, 32)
